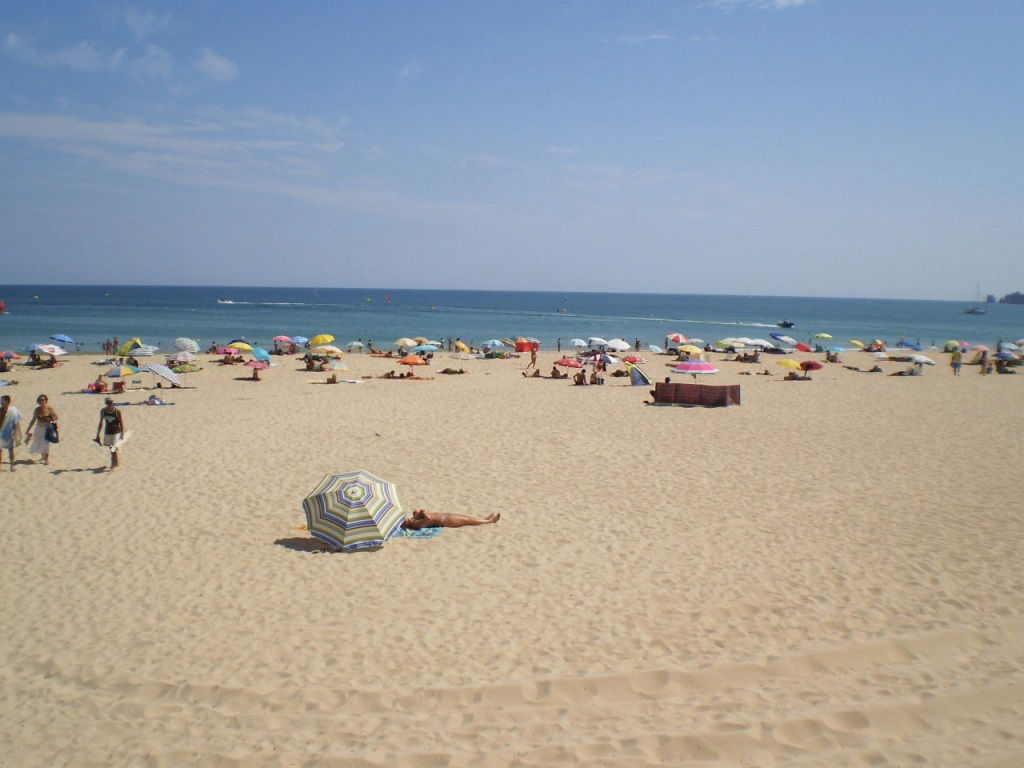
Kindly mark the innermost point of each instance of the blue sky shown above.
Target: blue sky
(791, 147)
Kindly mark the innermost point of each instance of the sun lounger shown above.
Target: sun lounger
(707, 395)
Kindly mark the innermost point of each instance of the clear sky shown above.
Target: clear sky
(794, 147)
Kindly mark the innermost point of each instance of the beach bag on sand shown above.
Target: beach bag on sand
(51, 434)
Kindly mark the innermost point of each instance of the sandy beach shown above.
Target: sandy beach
(827, 575)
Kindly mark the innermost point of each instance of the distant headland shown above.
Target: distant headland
(1013, 298)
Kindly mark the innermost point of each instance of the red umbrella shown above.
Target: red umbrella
(676, 337)
(803, 347)
(810, 365)
(568, 362)
(227, 351)
(8, 354)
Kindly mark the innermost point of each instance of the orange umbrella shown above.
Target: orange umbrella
(411, 360)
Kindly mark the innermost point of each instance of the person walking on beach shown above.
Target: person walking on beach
(46, 417)
(112, 428)
(956, 361)
(10, 428)
(558, 344)
(533, 357)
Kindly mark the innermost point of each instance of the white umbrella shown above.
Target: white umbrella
(355, 344)
(618, 345)
(577, 342)
(181, 357)
(48, 349)
(762, 343)
(695, 342)
(597, 341)
(922, 359)
(655, 349)
(186, 345)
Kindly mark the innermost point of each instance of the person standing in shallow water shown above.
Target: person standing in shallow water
(45, 416)
(111, 426)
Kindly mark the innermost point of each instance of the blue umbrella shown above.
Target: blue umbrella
(424, 348)
(299, 339)
(261, 354)
(493, 343)
(836, 349)
(783, 337)
(912, 345)
(62, 338)
(1006, 355)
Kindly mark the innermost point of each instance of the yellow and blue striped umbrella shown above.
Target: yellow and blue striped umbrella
(353, 511)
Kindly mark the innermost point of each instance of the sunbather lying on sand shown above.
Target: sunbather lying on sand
(420, 518)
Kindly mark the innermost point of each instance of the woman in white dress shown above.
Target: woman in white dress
(46, 416)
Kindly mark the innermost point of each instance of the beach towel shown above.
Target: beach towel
(10, 429)
(416, 533)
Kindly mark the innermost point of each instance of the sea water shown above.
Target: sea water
(158, 315)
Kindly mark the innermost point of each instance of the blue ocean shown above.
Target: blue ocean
(90, 314)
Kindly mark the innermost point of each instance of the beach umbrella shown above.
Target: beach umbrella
(857, 343)
(163, 372)
(1010, 345)
(424, 348)
(285, 339)
(729, 341)
(695, 342)
(126, 349)
(227, 351)
(822, 336)
(353, 511)
(783, 338)
(810, 365)
(335, 365)
(493, 343)
(462, 346)
(438, 343)
(321, 338)
(355, 345)
(122, 370)
(258, 364)
(746, 341)
(577, 342)
(186, 345)
(637, 377)
(597, 341)
(327, 349)
(878, 355)
(922, 360)
(603, 359)
(10, 354)
(836, 349)
(633, 359)
(912, 345)
(420, 339)
(761, 343)
(181, 357)
(793, 365)
(568, 362)
(695, 367)
(405, 341)
(655, 349)
(47, 349)
(261, 354)
(236, 344)
(690, 349)
(803, 347)
(299, 340)
(411, 360)
(1004, 355)
(676, 338)
(62, 338)
(619, 345)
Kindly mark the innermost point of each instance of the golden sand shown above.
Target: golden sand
(828, 575)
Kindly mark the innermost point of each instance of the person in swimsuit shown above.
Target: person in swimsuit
(420, 518)
(112, 428)
(44, 415)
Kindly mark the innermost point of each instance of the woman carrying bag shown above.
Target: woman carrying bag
(47, 434)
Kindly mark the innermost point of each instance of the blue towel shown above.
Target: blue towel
(417, 533)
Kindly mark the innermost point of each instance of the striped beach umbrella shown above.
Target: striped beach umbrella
(353, 511)
(186, 345)
(122, 370)
(181, 357)
(163, 372)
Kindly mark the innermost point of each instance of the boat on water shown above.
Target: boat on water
(785, 323)
(3, 308)
(976, 309)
